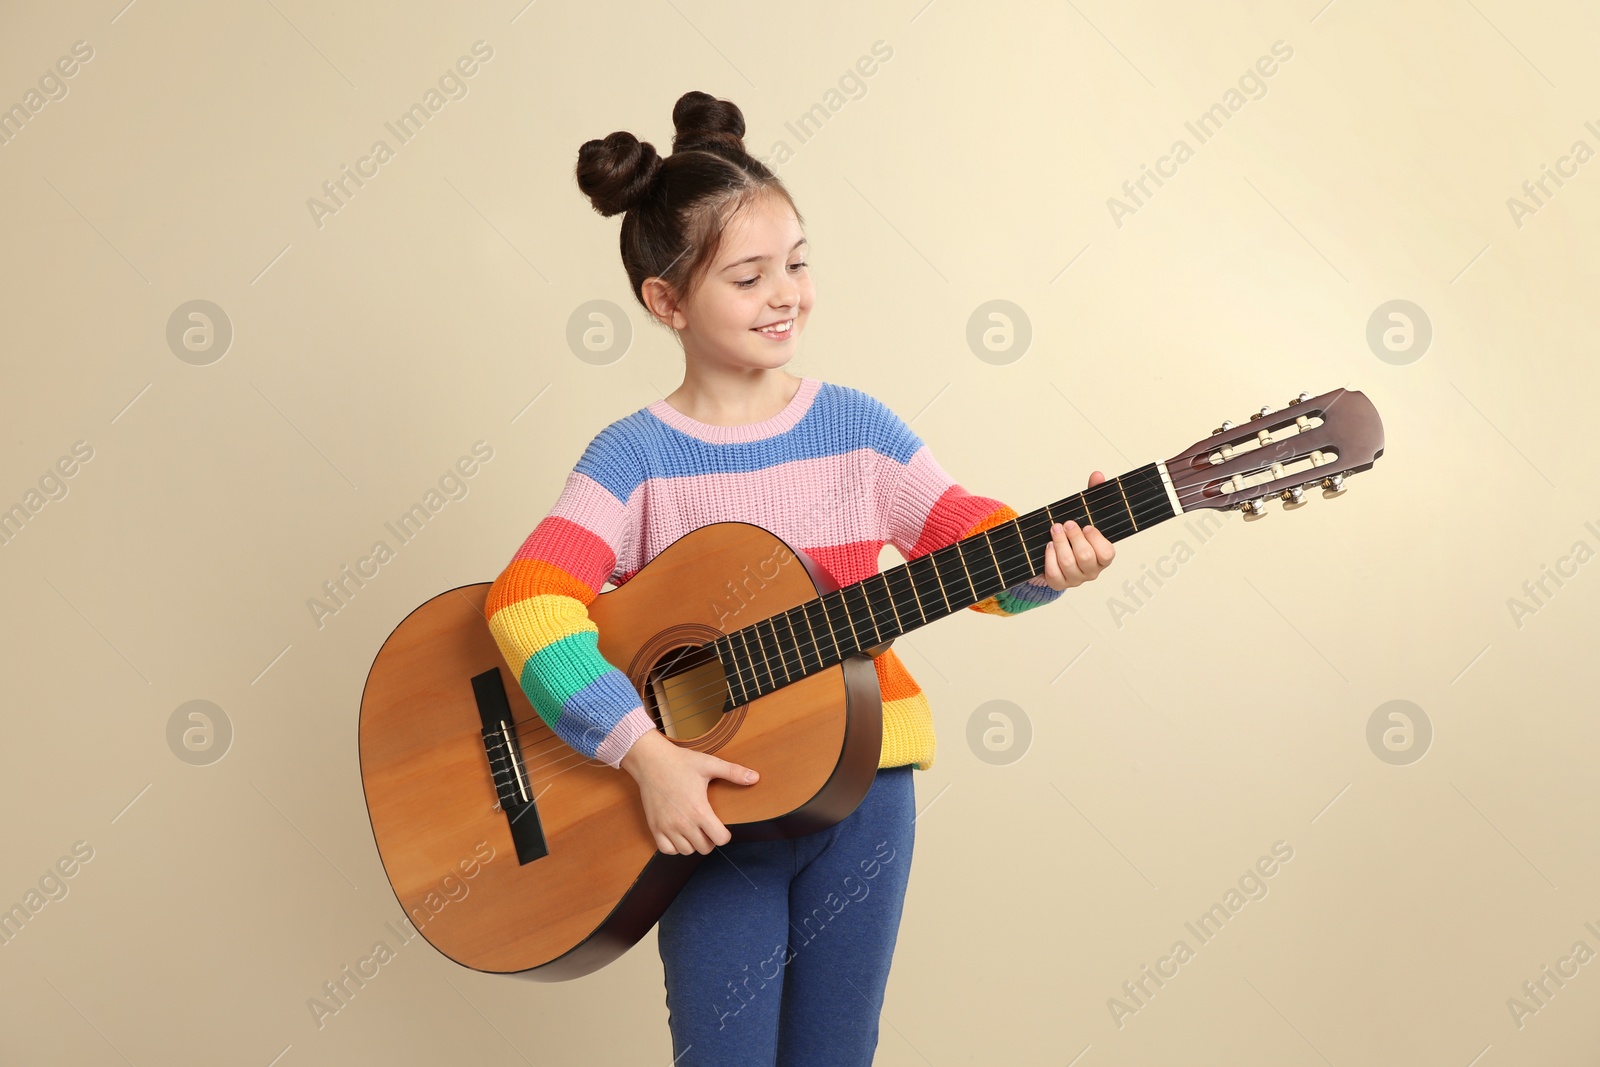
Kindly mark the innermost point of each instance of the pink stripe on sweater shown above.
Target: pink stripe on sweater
(792, 413)
(827, 500)
(921, 486)
(589, 504)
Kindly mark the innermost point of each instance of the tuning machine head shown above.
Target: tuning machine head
(1294, 496)
(1254, 509)
(1224, 428)
(1333, 485)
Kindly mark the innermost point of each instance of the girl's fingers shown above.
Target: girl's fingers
(1104, 552)
(1085, 552)
(1088, 561)
(1078, 550)
(1066, 557)
(1052, 571)
(1075, 555)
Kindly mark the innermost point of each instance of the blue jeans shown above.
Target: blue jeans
(776, 953)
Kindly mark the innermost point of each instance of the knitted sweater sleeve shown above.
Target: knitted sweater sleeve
(925, 509)
(538, 609)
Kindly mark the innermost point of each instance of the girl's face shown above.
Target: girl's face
(753, 302)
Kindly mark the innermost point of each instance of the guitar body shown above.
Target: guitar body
(512, 853)
(493, 904)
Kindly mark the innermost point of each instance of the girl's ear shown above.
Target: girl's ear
(659, 298)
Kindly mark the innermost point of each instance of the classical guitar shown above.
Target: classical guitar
(512, 853)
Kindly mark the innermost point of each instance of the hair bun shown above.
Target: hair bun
(705, 123)
(615, 172)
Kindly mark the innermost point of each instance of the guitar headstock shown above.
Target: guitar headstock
(1315, 440)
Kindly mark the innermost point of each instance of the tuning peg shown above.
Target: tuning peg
(1224, 428)
(1334, 483)
(1255, 507)
(1294, 495)
(1301, 399)
(1265, 410)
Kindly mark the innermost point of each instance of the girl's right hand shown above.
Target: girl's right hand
(672, 787)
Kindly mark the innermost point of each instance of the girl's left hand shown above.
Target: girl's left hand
(1075, 555)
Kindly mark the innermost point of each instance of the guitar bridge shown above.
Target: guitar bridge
(510, 773)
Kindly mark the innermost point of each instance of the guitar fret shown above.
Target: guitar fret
(988, 542)
(915, 596)
(1027, 557)
(898, 625)
(939, 558)
(823, 604)
(962, 556)
(767, 653)
(730, 659)
(778, 647)
(1035, 527)
(877, 635)
(815, 651)
(738, 677)
(1111, 494)
(1017, 569)
(873, 594)
(784, 648)
(998, 576)
(753, 685)
(1127, 514)
(766, 663)
(933, 565)
(848, 618)
(753, 656)
(1127, 505)
(744, 639)
(794, 640)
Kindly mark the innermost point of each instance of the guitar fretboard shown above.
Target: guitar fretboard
(820, 633)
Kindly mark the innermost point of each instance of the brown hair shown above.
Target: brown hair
(677, 207)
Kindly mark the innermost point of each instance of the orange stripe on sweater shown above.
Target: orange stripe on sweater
(894, 681)
(1003, 513)
(524, 578)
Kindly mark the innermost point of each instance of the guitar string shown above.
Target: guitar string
(716, 706)
(715, 702)
(1012, 556)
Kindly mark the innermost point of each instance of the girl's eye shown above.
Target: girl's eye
(746, 283)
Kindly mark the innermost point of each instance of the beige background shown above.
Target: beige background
(1168, 752)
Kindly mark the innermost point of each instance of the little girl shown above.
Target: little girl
(775, 952)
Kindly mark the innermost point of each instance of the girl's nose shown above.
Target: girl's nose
(787, 293)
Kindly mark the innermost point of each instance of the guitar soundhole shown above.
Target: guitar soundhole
(686, 691)
(680, 682)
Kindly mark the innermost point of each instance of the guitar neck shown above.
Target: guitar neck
(771, 653)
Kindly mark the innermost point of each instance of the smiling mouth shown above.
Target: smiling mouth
(778, 331)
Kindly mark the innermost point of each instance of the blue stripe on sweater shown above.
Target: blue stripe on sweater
(590, 715)
(839, 419)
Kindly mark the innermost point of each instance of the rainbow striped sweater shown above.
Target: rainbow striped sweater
(835, 474)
